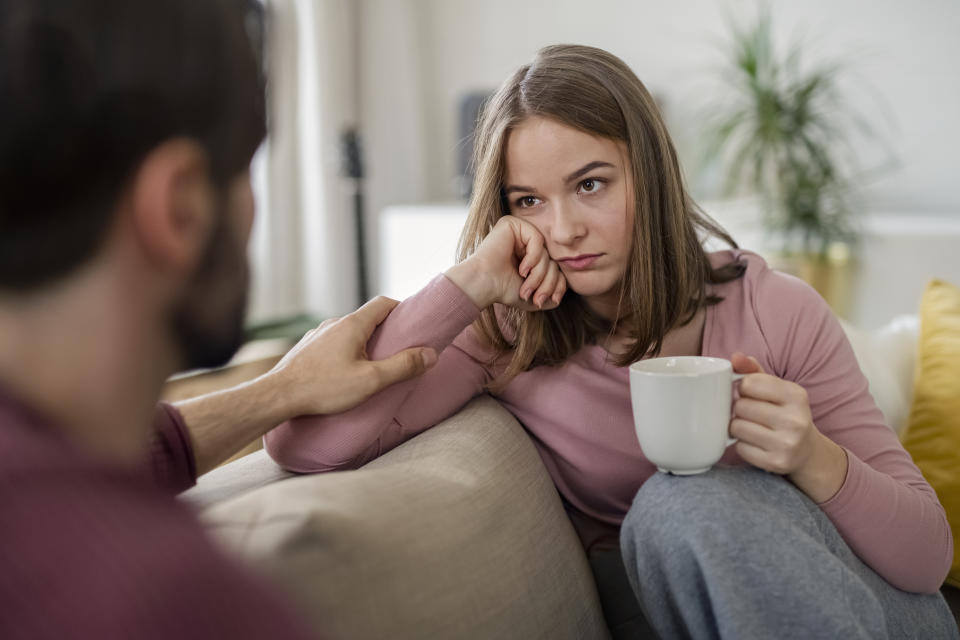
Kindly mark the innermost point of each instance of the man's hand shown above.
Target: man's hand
(328, 370)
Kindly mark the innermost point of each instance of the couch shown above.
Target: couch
(457, 533)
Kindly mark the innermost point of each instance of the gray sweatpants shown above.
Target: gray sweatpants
(741, 553)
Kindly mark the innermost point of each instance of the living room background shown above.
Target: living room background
(398, 70)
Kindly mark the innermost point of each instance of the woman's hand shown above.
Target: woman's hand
(511, 266)
(774, 426)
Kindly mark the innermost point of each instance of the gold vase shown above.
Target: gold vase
(831, 274)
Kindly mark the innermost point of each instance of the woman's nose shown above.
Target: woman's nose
(566, 225)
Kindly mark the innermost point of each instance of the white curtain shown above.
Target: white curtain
(303, 245)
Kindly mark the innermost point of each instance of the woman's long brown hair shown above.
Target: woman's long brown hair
(668, 269)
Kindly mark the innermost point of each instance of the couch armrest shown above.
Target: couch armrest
(457, 533)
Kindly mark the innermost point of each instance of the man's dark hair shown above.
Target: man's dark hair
(87, 89)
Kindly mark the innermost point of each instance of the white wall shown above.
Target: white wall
(905, 52)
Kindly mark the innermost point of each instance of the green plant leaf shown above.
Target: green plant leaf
(784, 135)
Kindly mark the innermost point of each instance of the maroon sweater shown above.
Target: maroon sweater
(93, 551)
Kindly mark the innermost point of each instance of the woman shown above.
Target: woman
(583, 253)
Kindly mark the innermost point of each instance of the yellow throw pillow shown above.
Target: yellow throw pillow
(933, 432)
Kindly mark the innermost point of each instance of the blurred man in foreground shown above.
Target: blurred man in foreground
(126, 133)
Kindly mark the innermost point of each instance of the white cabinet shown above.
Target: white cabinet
(416, 243)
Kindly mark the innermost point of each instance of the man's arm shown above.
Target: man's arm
(326, 372)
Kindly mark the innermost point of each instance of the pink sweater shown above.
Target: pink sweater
(580, 419)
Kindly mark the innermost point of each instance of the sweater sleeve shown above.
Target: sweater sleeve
(171, 464)
(439, 316)
(885, 510)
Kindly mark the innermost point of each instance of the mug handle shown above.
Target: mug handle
(737, 377)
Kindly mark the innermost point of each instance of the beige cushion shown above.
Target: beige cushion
(458, 533)
(244, 474)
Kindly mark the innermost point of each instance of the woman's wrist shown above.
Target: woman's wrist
(475, 281)
(825, 471)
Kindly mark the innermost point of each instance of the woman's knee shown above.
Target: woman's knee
(670, 510)
(714, 494)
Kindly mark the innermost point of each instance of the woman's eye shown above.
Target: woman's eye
(527, 201)
(590, 185)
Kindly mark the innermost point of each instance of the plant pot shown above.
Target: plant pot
(831, 274)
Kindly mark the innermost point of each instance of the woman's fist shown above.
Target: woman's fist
(511, 266)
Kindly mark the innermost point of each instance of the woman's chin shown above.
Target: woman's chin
(586, 287)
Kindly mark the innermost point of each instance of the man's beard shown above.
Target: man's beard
(208, 323)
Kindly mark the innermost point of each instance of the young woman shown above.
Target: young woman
(583, 253)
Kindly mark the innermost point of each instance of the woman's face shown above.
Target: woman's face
(576, 189)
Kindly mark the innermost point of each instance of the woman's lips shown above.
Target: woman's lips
(580, 262)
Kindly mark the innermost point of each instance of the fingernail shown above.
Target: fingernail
(523, 294)
(429, 357)
(557, 298)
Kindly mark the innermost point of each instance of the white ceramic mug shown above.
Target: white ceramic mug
(682, 411)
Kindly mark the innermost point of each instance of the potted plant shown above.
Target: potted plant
(783, 135)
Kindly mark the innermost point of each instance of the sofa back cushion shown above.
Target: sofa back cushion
(458, 533)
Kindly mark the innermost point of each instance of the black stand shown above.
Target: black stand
(353, 169)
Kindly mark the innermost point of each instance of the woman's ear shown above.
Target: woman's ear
(172, 204)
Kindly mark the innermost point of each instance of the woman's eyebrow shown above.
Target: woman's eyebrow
(590, 166)
(587, 168)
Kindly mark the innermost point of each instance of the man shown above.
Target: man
(126, 132)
